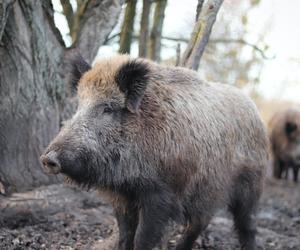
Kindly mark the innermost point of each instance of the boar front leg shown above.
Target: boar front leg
(155, 212)
(278, 168)
(192, 232)
(127, 218)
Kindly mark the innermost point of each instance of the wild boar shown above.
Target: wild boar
(285, 142)
(164, 145)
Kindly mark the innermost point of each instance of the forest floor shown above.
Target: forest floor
(61, 217)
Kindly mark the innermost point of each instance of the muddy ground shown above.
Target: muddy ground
(63, 217)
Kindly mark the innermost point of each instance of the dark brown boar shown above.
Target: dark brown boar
(164, 145)
(285, 142)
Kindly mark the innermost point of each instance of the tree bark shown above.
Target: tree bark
(32, 90)
(200, 35)
(95, 22)
(5, 7)
(31, 51)
(144, 30)
(156, 32)
(127, 27)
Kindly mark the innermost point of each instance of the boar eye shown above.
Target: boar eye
(63, 123)
(108, 109)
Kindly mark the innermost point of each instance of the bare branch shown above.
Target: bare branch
(244, 42)
(77, 19)
(173, 39)
(225, 40)
(261, 51)
(68, 12)
(110, 38)
(201, 33)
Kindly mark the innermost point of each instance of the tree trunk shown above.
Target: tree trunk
(144, 30)
(32, 92)
(127, 28)
(206, 18)
(156, 32)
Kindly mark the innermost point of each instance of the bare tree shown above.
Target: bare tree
(206, 13)
(156, 32)
(127, 27)
(32, 92)
(144, 28)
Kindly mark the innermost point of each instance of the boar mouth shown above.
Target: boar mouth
(53, 170)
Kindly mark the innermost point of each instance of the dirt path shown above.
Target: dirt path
(61, 217)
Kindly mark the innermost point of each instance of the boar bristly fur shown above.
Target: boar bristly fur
(163, 145)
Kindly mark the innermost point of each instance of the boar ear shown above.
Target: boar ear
(77, 66)
(132, 79)
(290, 127)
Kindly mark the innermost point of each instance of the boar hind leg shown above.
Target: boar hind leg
(295, 172)
(278, 168)
(127, 219)
(155, 212)
(243, 207)
(191, 233)
(245, 226)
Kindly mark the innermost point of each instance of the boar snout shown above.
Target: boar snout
(51, 162)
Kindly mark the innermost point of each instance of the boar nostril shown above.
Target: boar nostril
(50, 161)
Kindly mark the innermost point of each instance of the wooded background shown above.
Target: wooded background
(33, 97)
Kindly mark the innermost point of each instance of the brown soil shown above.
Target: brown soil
(62, 217)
